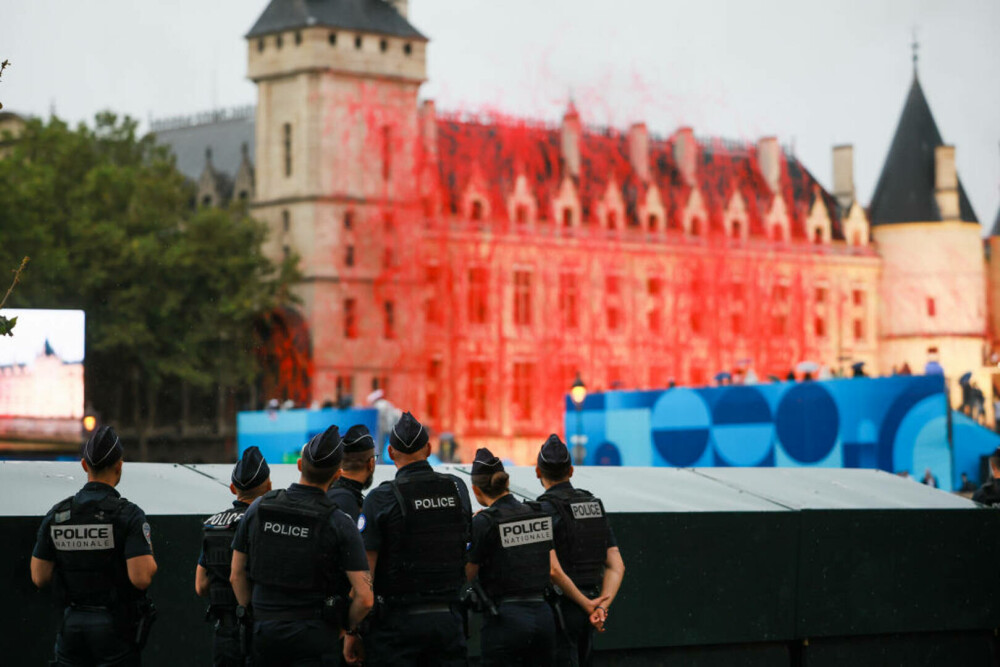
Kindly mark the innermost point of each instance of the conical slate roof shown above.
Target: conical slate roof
(905, 190)
(376, 16)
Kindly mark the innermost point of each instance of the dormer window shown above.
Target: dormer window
(383, 45)
(653, 221)
(357, 42)
(612, 219)
(277, 41)
(567, 216)
(477, 210)
(407, 48)
(736, 229)
(298, 38)
(696, 227)
(260, 45)
(521, 214)
(332, 39)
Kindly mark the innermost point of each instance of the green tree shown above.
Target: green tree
(170, 292)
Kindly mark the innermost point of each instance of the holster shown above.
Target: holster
(486, 604)
(145, 612)
(336, 609)
(554, 597)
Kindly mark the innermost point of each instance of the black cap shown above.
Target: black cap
(408, 435)
(485, 463)
(251, 470)
(325, 450)
(103, 448)
(358, 439)
(554, 456)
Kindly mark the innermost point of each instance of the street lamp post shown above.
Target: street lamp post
(577, 394)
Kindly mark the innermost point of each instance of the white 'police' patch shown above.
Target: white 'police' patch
(90, 537)
(587, 510)
(528, 531)
(362, 522)
(147, 533)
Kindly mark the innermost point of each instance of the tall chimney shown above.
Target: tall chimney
(843, 175)
(428, 126)
(400, 6)
(769, 160)
(946, 182)
(638, 150)
(571, 133)
(686, 155)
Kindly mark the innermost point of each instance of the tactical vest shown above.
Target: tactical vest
(425, 554)
(90, 552)
(286, 548)
(217, 545)
(582, 543)
(518, 563)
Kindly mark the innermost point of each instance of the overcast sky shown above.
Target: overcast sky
(813, 73)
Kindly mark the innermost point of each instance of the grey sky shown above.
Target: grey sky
(812, 73)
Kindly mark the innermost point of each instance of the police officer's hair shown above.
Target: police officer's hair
(556, 474)
(315, 475)
(355, 461)
(492, 485)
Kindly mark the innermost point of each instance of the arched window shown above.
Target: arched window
(696, 227)
(653, 221)
(612, 219)
(521, 214)
(818, 235)
(856, 238)
(477, 210)
(736, 229)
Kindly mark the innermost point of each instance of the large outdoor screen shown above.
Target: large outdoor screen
(41, 376)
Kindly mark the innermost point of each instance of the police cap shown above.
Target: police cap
(553, 457)
(358, 439)
(485, 463)
(251, 470)
(408, 435)
(325, 450)
(103, 449)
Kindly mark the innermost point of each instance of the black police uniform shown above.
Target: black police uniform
(347, 494)
(582, 538)
(298, 546)
(217, 557)
(988, 493)
(90, 536)
(419, 525)
(511, 543)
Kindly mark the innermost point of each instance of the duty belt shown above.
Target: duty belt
(522, 598)
(304, 614)
(89, 607)
(427, 608)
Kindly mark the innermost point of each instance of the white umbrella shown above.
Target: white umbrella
(807, 367)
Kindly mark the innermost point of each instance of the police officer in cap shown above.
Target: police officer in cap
(97, 547)
(512, 554)
(359, 470)
(989, 493)
(291, 552)
(586, 548)
(251, 479)
(415, 529)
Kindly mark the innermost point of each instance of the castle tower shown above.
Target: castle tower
(336, 147)
(933, 272)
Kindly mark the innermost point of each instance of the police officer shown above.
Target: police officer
(415, 529)
(512, 554)
(586, 548)
(359, 470)
(989, 493)
(97, 547)
(251, 479)
(290, 554)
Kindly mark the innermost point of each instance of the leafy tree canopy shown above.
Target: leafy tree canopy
(169, 291)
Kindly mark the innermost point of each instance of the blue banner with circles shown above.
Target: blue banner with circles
(897, 424)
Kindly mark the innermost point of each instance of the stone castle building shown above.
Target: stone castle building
(471, 266)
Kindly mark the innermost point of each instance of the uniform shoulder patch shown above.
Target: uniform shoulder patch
(147, 533)
(362, 522)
